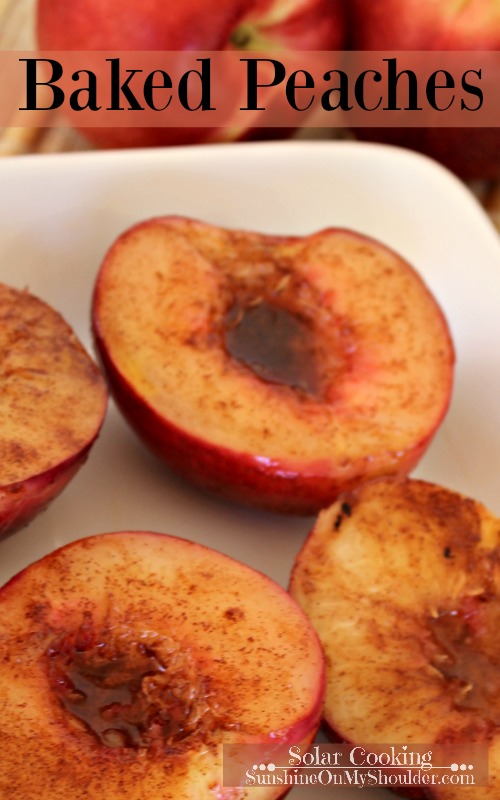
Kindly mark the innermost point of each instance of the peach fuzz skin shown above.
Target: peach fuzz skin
(21, 502)
(284, 486)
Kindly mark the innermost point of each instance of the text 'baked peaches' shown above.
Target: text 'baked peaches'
(401, 580)
(276, 370)
(52, 405)
(127, 661)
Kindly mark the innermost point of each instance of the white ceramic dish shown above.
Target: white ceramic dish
(58, 215)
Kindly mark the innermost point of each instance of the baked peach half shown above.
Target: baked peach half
(401, 580)
(275, 370)
(53, 402)
(129, 659)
